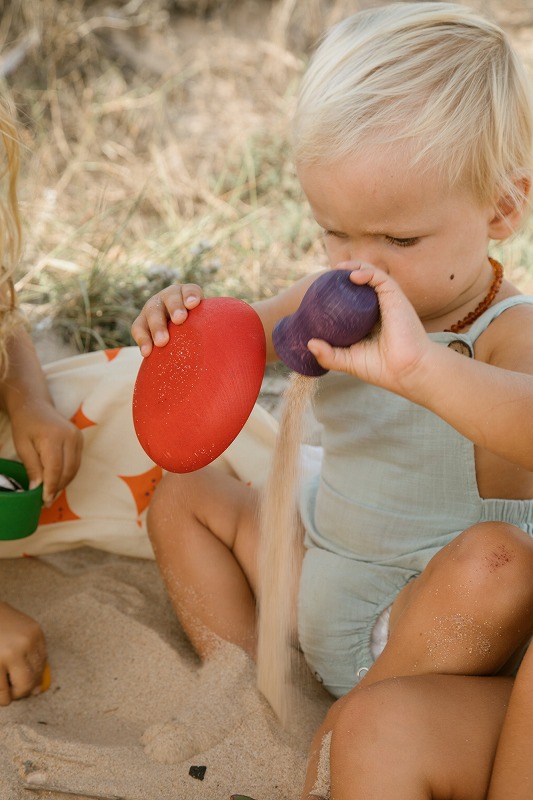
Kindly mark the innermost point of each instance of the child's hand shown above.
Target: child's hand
(172, 303)
(395, 352)
(22, 655)
(49, 445)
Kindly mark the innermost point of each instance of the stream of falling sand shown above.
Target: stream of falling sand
(281, 552)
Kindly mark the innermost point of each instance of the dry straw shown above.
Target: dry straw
(153, 129)
(150, 134)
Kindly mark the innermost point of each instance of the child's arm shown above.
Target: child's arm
(48, 444)
(487, 399)
(174, 302)
(22, 654)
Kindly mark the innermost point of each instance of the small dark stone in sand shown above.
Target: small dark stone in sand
(197, 772)
(241, 797)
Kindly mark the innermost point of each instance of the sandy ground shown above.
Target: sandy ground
(131, 713)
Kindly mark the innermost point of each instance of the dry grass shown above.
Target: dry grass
(157, 150)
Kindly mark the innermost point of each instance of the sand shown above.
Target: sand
(131, 710)
(281, 552)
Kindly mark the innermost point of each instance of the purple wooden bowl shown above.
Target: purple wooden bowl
(333, 309)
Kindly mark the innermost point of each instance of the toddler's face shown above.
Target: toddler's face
(379, 210)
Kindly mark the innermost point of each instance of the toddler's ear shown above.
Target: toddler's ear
(510, 209)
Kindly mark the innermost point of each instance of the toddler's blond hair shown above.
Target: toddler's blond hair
(10, 227)
(433, 76)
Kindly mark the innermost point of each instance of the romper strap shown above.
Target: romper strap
(491, 313)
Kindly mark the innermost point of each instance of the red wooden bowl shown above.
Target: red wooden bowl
(193, 396)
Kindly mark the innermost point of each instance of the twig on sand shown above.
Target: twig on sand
(49, 787)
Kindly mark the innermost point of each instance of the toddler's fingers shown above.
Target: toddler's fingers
(178, 301)
(22, 680)
(65, 463)
(192, 294)
(361, 271)
(141, 336)
(325, 354)
(61, 460)
(151, 326)
(373, 276)
(49, 458)
(32, 463)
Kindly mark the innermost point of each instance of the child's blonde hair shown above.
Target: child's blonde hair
(10, 227)
(433, 76)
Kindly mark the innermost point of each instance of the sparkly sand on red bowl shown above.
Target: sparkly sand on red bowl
(193, 396)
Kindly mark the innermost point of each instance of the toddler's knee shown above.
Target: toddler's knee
(169, 504)
(374, 724)
(494, 547)
(493, 555)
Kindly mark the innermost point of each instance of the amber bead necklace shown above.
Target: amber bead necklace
(485, 303)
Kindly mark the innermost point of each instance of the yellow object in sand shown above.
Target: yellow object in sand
(47, 678)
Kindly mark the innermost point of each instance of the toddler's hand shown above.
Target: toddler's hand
(49, 445)
(390, 357)
(172, 303)
(22, 655)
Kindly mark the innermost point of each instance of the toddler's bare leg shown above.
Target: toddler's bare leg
(512, 775)
(203, 527)
(469, 612)
(418, 738)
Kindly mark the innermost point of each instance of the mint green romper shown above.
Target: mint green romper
(397, 484)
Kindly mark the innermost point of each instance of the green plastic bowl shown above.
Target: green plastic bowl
(19, 511)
